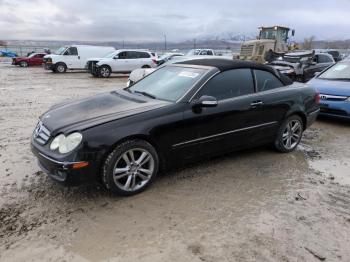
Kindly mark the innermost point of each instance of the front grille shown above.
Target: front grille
(91, 66)
(333, 111)
(247, 50)
(41, 134)
(333, 98)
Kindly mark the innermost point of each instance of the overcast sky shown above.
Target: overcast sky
(136, 20)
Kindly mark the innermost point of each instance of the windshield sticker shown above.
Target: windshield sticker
(340, 67)
(188, 74)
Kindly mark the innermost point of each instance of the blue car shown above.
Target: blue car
(333, 85)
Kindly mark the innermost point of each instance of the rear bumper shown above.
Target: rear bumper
(311, 117)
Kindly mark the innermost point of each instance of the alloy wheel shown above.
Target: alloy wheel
(133, 169)
(104, 72)
(292, 134)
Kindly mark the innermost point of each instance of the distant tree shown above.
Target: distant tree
(309, 43)
(3, 43)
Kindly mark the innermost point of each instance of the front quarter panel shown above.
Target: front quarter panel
(159, 127)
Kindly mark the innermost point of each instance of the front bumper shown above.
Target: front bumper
(49, 66)
(337, 109)
(64, 171)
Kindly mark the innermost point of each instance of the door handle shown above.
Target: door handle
(256, 103)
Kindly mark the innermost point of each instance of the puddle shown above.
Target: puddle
(334, 169)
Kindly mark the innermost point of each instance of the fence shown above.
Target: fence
(24, 50)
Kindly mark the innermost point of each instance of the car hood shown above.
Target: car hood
(331, 87)
(21, 58)
(94, 59)
(85, 113)
(104, 60)
(281, 63)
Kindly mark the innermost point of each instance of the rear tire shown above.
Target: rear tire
(23, 64)
(60, 68)
(130, 168)
(289, 134)
(104, 71)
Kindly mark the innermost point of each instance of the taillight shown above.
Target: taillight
(317, 98)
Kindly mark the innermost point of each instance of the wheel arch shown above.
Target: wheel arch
(140, 137)
(107, 65)
(301, 114)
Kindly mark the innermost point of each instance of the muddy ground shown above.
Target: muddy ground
(255, 205)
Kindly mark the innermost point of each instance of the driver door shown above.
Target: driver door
(234, 121)
(71, 57)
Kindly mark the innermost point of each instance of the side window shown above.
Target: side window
(266, 81)
(229, 84)
(210, 52)
(122, 55)
(324, 59)
(71, 51)
(144, 55)
(132, 55)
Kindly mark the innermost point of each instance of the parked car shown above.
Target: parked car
(7, 53)
(74, 57)
(333, 85)
(166, 57)
(337, 56)
(181, 112)
(200, 52)
(34, 59)
(137, 74)
(121, 61)
(302, 66)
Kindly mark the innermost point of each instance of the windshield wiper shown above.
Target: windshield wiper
(145, 94)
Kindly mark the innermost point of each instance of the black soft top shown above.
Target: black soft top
(226, 64)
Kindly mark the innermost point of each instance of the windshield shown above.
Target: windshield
(168, 83)
(193, 52)
(31, 55)
(60, 50)
(111, 54)
(268, 34)
(339, 71)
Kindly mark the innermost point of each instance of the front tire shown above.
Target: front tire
(130, 168)
(105, 71)
(23, 64)
(60, 68)
(289, 134)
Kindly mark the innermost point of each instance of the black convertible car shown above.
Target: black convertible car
(180, 112)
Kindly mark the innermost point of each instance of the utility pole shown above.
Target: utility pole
(164, 41)
(123, 44)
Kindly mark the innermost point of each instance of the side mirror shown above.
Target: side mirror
(116, 57)
(206, 101)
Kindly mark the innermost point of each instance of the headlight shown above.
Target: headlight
(66, 144)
